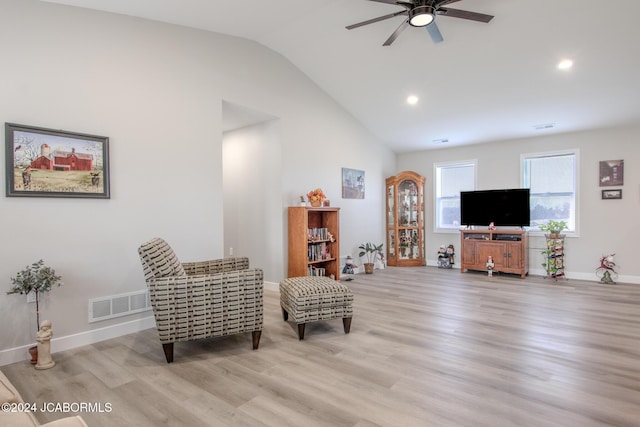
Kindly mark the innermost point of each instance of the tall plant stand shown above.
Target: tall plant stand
(554, 256)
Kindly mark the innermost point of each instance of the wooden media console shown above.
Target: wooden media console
(509, 249)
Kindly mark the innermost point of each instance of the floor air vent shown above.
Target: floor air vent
(118, 305)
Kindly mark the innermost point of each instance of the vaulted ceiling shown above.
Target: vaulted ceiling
(484, 82)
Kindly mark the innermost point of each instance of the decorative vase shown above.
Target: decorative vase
(368, 267)
(316, 203)
(33, 351)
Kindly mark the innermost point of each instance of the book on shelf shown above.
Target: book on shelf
(317, 233)
(318, 252)
(316, 271)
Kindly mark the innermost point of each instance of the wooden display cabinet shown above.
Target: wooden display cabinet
(314, 242)
(405, 219)
(509, 249)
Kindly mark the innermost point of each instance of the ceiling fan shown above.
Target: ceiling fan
(422, 13)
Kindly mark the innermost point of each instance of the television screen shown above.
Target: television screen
(508, 207)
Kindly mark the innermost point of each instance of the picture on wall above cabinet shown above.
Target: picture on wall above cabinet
(352, 184)
(611, 173)
(611, 194)
(54, 163)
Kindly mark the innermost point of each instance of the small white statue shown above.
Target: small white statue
(44, 346)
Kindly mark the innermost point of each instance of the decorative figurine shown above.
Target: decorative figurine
(443, 259)
(348, 266)
(44, 346)
(492, 226)
(607, 270)
(490, 265)
(451, 254)
(445, 256)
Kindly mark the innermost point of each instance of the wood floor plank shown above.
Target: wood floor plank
(427, 347)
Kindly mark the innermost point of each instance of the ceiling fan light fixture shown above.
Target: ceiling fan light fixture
(421, 16)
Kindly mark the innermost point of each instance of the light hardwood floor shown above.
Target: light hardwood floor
(428, 347)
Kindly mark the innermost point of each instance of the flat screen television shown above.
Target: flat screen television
(508, 208)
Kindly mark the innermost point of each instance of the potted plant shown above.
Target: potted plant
(36, 278)
(553, 254)
(371, 252)
(554, 228)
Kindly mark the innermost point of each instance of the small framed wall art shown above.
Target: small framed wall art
(352, 184)
(54, 163)
(611, 173)
(611, 194)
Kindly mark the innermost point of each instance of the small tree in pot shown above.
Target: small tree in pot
(371, 252)
(37, 278)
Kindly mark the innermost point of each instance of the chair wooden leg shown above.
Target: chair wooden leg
(346, 322)
(255, 337)
(285, 315)
(301, 331)
(168, 352)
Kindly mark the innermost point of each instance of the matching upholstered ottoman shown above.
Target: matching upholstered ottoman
(313, 298)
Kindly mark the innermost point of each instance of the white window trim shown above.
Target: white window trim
(576, 153)
(473, 162)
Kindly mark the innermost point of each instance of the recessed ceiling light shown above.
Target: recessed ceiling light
(412, 100)
(565, 64)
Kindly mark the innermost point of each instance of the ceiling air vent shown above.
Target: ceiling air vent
(544, 126)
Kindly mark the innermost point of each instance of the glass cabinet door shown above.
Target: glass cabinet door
(405, 219)
(390, 199)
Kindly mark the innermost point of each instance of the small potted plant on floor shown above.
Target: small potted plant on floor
(36, 278)
(371, 252)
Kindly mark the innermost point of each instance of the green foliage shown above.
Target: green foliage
(36, 278)
(554, 227)
(371, 251)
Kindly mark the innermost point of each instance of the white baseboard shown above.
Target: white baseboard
(19, 354)
(272, 286)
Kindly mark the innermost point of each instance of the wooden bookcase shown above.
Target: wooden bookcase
(311, 250)
(509, 249)
(405, 220)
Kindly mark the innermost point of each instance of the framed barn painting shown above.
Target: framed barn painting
(54, 163)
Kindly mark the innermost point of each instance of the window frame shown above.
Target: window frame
(436, 182)
(534, 231)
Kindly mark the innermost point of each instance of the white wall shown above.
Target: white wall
(156, 91)
(252, 169)
(605, 226)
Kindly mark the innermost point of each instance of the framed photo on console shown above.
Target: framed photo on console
(55, 163)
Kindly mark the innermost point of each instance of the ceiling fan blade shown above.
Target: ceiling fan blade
(399, 3)
(434, 32)
(464, 14)
(378, 19)
(396, 33)
(444, 3)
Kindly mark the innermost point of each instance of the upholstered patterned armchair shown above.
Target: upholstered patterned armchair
(197, 300)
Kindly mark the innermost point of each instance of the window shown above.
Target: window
(450, 180)
(552, 180)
